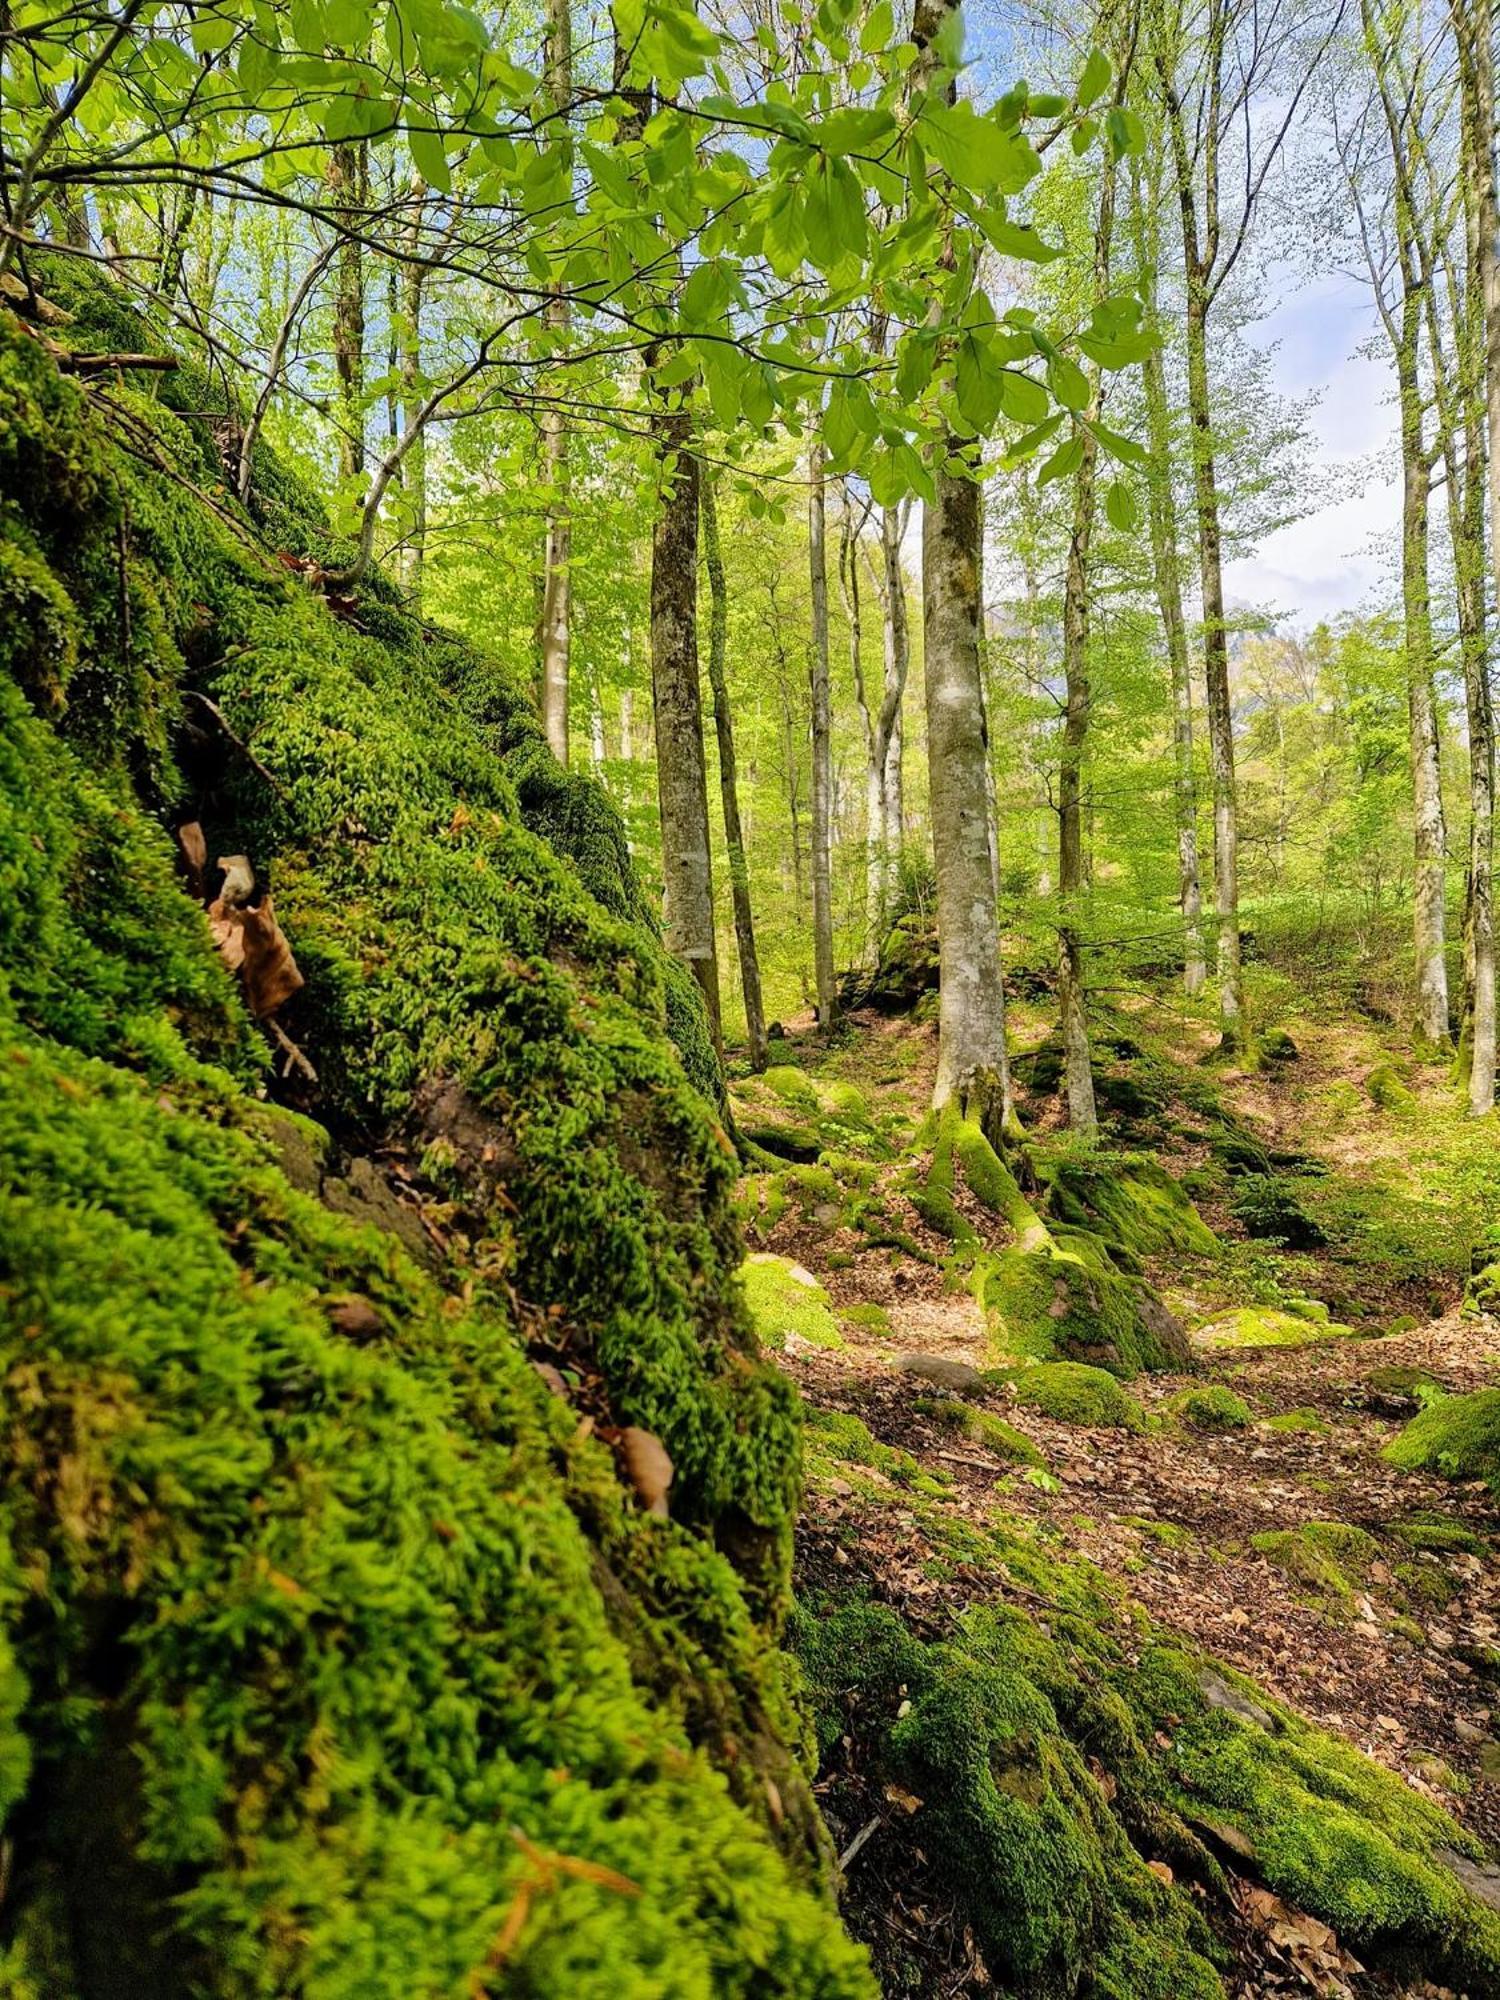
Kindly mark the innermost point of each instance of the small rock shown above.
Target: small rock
(1218, 1693)
(959, 1376)
(1480, 1878)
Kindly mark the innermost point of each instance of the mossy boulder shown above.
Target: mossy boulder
(1267, 1326)
(1275, 1047)
(1211, 1407)
(1066, 1298)
(1070, 1393)
(1132, 1202)
(796, 1116)
(1328, 1558)
(355, 1664)
(1387, 1091)
(983, 1427)
(1057, 1899)
(1458, 1436)
(787, 1304)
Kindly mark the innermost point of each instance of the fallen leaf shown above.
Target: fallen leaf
(649, 1468)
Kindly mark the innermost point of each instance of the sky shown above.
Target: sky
(1339, 557)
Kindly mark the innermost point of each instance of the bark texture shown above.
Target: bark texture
(822, 739)
(734, 839)
(556, 622)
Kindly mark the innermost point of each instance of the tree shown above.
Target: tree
(557, 552)
(822, 738)
(734, 839)
(1215, 61)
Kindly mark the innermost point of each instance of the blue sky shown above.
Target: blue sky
(1340, 557)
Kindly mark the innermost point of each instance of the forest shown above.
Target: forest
(749, 1192)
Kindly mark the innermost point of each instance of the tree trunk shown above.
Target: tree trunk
(896, 638)
(414, 471)
(557, 553)
(971, 1003)
(348, 182)
(677, 703)
(822, 740)
(1216, 675)
(1473, 34)
(1161, 508)
(1429, 830)
(734, 839)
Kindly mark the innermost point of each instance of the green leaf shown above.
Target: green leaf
(784, 239)
(833, 214)
(1094, 81)
(1063, 462)
(1119, 505)
(430, 160)
(1028, 445)
(1126, 132)
(1023, 400)
(1116, 351)
(978, 384)
(1068, 383)
(1017, 239)
(915, 355)
(1125, 450)
(855, 128)
(879, 28)
(975, 152)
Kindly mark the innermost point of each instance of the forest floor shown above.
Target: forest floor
(1377, 1644)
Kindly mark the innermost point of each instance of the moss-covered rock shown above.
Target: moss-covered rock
(1071, 1393)
(1132, 1202)
(1267, 1326)
(1266, 1206)
(1388, 1092)
(787, 1304)
(983, 1427)
(1329, 1558)
(1458, 1436)
(1213, 1406)
(353, 1664)
(1066, 1298)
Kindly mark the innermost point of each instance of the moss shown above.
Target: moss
(1458, 1436)
(1071, 1393)
(1057, 1899)
(1303, 1419)
(314, 1621)
(1331, 1831)
(1439, 1536)
(786, 1301)
(872, 1318)
(1327, 1557)
(1275, 1046)
(1132, 1202)
(983, 1427)
(1267, 1326)
(1067, 1299)
(1387, 1091)
(1213, 1407)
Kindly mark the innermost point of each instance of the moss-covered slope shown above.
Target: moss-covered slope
(339, 1659)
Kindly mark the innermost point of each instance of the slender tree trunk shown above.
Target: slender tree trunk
(1216, 676)
(1429, 830)
(414, 471)
(557, 553)
(1082, 1115)
(972, 1067)
(677, 704)
(822, 740)
(1474, 37)
(348, 182)
(1161, 508)
(896, 638)
(971, 1005)
(734, 839)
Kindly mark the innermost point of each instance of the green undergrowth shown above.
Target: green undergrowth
(1269, 1326)
(353, 1668)
(1328, 1559)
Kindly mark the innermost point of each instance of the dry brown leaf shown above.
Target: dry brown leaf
(271, 973)
(649, 1468)
(193, 849)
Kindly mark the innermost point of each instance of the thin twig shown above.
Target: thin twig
(238, 741)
